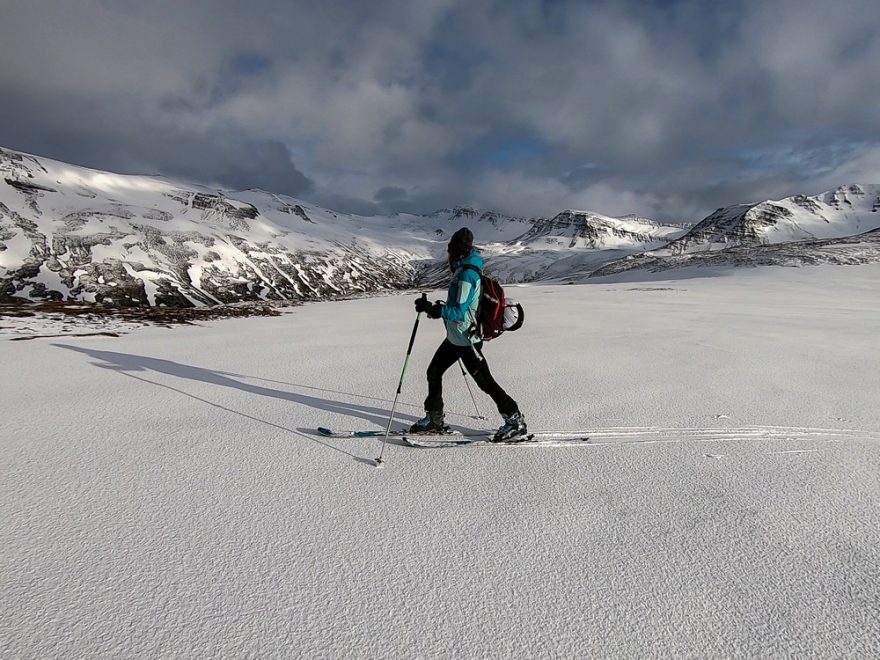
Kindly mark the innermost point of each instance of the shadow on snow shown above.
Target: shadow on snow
(130, 365)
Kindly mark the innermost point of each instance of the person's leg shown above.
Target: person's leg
(445, 356)
(477, 366)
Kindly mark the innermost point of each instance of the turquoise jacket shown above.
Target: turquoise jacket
(460, 310)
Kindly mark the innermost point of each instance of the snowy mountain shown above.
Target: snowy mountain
(69, 232)
(73, 233)
(590, 230)
(835, 227)
(569, 245)
(847, 211)
(848, 251)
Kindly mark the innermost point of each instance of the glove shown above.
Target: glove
(422, 304)
(431, 309)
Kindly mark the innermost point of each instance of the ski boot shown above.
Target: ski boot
(513, 430)
(430, 424)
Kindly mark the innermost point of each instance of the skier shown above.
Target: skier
(463, 343)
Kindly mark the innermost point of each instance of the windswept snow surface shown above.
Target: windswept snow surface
(162, 494)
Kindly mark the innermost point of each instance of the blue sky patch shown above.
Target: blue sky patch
(501, 153)
(247, 64)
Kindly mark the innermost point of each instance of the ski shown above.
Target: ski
(330, 433)
(396, 433)
(460, 439)
(485, 440)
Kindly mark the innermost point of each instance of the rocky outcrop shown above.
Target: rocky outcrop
(738, 225)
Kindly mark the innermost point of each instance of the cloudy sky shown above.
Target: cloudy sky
(664, 108)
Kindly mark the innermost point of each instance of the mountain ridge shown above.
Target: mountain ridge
(75, 233)
(832, 227)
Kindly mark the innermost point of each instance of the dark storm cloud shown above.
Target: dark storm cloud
(122, 139)
(665, 108)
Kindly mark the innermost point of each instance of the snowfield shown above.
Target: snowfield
(164, 494)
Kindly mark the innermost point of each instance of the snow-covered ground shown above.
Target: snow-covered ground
(162, 493)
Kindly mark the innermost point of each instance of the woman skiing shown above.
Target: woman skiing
(463, 343)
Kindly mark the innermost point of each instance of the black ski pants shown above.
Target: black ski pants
(472, 357)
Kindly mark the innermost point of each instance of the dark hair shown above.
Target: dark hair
(461, 243)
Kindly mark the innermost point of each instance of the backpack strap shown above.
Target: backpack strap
(479, 272)
(474, 330)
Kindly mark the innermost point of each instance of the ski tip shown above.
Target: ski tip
(324, 431)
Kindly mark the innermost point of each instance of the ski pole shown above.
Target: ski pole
(467, 382)
(412, 340)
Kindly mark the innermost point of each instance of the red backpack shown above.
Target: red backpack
(496, 313)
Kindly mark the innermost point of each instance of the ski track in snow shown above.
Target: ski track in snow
(609, 437)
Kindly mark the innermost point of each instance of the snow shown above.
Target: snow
(163, 493)
(52, 280)
(17, 250)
